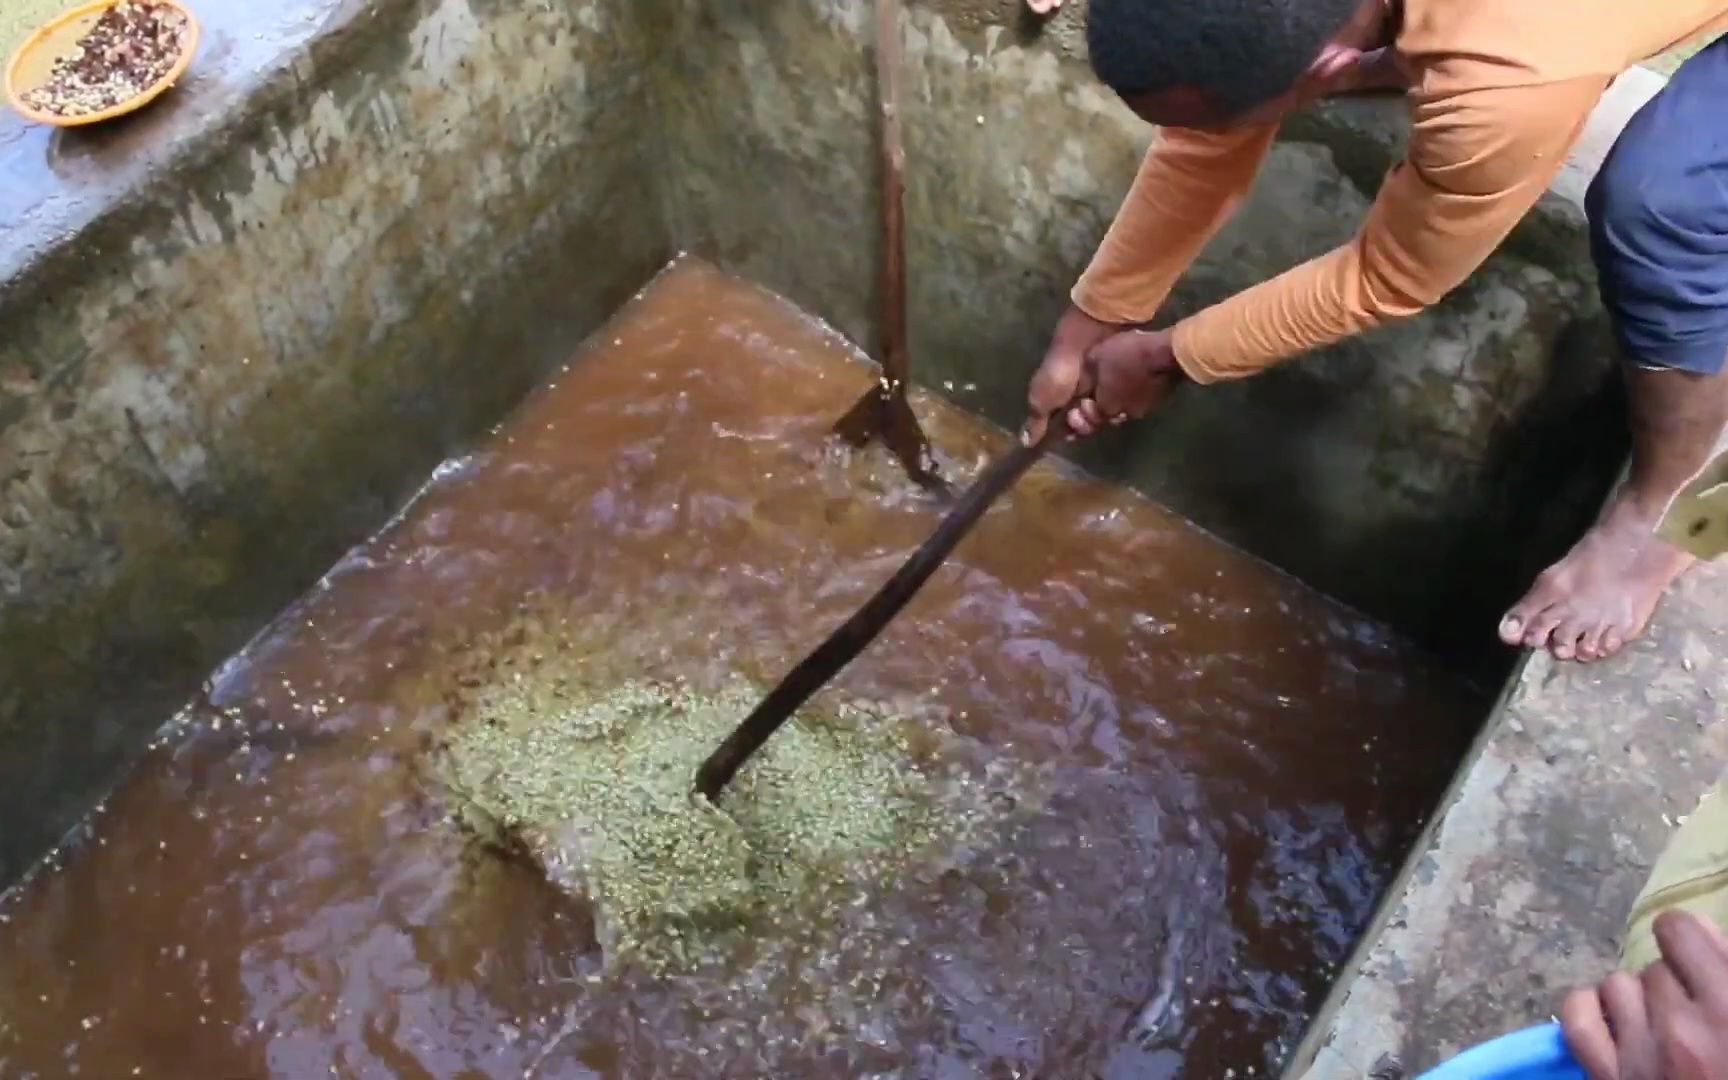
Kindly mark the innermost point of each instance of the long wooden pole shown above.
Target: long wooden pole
(896, 363)
(826, 660)
(884, 411)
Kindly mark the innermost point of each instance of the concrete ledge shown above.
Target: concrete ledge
(237, 329)
(1625, 96)
(1520, 889)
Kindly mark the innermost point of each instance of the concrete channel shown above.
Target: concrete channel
(238, 330)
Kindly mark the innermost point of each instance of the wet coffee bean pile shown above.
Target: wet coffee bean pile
(129, 49)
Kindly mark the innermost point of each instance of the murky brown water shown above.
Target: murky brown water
(1239, 763)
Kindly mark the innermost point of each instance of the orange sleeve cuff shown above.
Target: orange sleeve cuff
(1084, 299)
(1183, 344)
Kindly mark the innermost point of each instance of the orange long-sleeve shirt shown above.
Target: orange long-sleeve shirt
(1499, 92)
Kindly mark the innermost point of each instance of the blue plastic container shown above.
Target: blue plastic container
(1537, 1053)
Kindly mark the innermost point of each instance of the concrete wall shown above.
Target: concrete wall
(1374, 469)
(218, 371)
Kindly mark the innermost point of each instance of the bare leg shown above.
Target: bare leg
(1602, 594)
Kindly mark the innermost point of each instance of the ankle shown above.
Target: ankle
(1631, 507)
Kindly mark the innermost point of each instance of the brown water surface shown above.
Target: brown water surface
(1238, 766)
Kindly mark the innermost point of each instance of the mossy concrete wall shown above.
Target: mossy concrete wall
(1422, 472)
(221, 367)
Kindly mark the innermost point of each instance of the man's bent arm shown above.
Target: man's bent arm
(1186, 189)
(1478, 162)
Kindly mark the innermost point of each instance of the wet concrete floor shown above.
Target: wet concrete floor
(277, 891)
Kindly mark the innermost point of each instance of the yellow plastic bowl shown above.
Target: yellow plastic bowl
(33, 60)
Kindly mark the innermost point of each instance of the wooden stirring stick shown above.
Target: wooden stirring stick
(826, 660)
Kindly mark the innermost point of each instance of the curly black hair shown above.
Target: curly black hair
(1238, 53)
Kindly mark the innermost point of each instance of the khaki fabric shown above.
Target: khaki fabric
(1693, 872)
(1692, 875)
(1698, 520)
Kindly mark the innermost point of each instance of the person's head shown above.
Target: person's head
(1218, 63)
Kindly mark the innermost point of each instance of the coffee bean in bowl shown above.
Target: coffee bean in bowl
(127, 54)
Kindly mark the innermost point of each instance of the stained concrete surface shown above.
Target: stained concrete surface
(1521, 892)
(239, 329)
(58, 182)
(18, 18)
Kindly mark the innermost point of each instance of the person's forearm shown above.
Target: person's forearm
(1187, 186)
(1472, 173)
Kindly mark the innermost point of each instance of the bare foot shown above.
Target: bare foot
(1591, 603)
(1043, 7)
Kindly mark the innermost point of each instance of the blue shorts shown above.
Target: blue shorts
(1659, 222)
